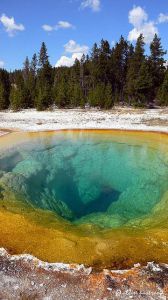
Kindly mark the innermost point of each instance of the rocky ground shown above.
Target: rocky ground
(25, 277)
(117, 118)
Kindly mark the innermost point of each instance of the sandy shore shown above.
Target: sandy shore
(117, 118)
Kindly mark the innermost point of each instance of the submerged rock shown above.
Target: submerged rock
(13, 186)
(49, 201)
(103, 220)
(136, 201)
(28, 167)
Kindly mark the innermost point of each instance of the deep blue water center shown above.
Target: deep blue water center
(86, 177)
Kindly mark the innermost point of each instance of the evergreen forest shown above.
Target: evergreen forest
(108, 76)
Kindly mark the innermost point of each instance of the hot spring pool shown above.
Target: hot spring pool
(93, 197)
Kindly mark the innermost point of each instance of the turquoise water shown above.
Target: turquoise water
(86, 177)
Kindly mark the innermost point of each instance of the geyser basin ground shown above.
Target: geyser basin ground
(93, 197)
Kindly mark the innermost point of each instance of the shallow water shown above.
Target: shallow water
(88, 196)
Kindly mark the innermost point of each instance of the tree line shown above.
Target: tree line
(119, 75)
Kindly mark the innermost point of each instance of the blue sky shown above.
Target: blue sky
(70, 27)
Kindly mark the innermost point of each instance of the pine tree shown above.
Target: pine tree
(44, 97)
(2, 97)
(18, 90)
(28, 87)
(134, 65)
(81, 70)
(76, 97)
(103, 62)
(5, 89)
(16, 98)
(108, 96)
(33, 79)
(26, 69)
(163, 91)
(95, 53)
(61, 93)
(119, 65)
(43, 56)
(33, 65)
(94, 70)
(143, 85)
(157, 64)
(97, 96)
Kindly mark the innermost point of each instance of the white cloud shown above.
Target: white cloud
(76, 52)
(137, 16)
(10, 26)
(47, 28)
(162, 18)
(2, 63)
(73, 47)
(68, 61)
(147, 29)
(113, 43)
(64, 25)
(139, 19)
(93, 4)
(60, 25)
